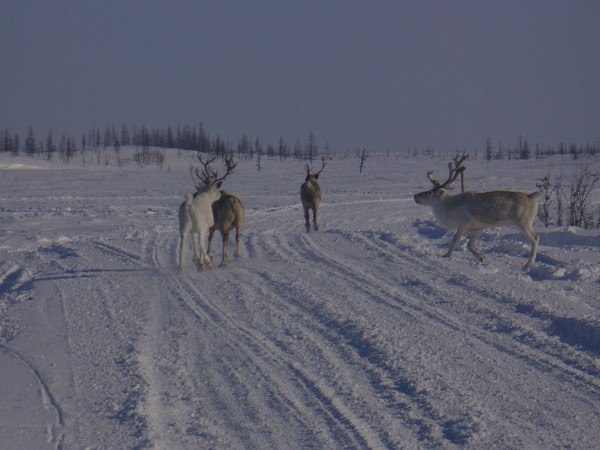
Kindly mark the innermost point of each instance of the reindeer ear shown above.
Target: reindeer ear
(316, 175)
(219, 184)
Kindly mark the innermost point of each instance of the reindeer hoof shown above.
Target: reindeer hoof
(201, 267)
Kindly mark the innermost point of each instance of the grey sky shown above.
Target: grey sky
(380, 74)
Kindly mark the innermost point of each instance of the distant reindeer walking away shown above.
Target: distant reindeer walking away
(471, 212)
(310, 194)
(196, 214)
(229, 213)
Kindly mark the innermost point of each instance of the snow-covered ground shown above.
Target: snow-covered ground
(355, 336)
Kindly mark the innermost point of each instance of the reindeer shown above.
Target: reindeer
(310, 194)
(228, 213)
(196, 215)
(471, 212)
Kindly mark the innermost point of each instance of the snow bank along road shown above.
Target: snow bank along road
(356, 336)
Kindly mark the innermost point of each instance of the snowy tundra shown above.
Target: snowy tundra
(358, 335)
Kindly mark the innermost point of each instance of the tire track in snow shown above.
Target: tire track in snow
(270, 360)
(90, 303)
(412, 297)
(315, 331)
(585, 386)
(396, 391)
(389, 385)
(417, 283)
(268, 349)
(400, 392)
(418, 307)
(54, 431)
(116, 251)
(499, 315)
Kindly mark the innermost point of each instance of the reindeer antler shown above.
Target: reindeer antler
(230, 166)
(309, 169)
(454, 171)
(322, 166)
(204, 177)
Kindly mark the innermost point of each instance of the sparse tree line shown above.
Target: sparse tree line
(192, 138)
(65, 147)
(196, 138)
(524, 151)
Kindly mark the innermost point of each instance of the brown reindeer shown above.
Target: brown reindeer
(228, 212)
(310, 194)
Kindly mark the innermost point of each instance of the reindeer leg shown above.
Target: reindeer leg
(534, 238)
(237, 242)
(471, 244)
(459, 233)
(225, 259)
(315, 224)
(197, 259)
(183, 237)
(307, 218)
(204, 261)
(211, 232)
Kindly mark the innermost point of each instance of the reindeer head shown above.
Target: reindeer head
(310, 174)
(438, 191)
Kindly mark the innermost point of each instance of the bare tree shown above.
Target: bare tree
(362, 160)
(30, 146)
(489, 150)
(545, 187)
(582, 184)
(50, 147)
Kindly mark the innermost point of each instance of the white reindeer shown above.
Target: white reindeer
(196, 216)
(310, 194)
(471, 212)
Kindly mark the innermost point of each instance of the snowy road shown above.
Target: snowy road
(356, 336)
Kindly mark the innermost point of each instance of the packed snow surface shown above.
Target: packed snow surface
(358, 335)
